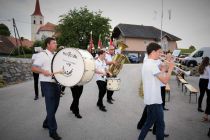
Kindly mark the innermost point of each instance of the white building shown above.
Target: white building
(39, 31)
(47, 30)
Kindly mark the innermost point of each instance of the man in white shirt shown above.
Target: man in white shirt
(49, 87)
(36, 76)
(109, 61)
(152, 78)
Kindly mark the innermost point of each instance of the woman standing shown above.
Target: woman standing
(101, 73)
(203, 82)
(208, 97)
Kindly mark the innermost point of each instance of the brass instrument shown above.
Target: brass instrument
(187, 73)
(120, 59)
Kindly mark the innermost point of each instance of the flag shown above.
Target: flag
(91, 45)
(110, 42)
(99, 42)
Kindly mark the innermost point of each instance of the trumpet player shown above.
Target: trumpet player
(152, 80)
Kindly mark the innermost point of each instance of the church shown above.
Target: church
(39, 30)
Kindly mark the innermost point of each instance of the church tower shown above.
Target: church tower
(37, 20)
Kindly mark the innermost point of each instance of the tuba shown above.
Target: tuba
(120, 59)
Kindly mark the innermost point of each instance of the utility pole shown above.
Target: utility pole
(16, 39)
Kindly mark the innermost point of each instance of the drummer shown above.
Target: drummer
(50, 89)
(101, 73)
(109, 55)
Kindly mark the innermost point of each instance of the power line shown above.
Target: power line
(6, 20)
(10, 20)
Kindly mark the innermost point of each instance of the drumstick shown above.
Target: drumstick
(58, 72)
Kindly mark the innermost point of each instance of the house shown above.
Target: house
(9, 43)
(6, 46)
(137, 37)
(47, 30)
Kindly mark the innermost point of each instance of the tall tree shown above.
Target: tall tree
(4, 30)
(75, 27)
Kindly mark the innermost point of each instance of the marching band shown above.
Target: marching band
(74, 67)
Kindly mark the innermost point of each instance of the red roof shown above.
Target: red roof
(37, 10)
(47, 27)
(8, 44)
(25, 42)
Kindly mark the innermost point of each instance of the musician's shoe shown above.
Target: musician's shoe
(109, 101)
(45, 126)
(102, 109)
(77, 115)
(208, 133)
(200, 110)
(165, 109)
(36, 98)
(100, 105)
(55, 136)
(165, 135)
(112, 99)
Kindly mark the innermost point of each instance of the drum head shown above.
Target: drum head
(70, 62)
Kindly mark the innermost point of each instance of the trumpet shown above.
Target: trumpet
(187, 73)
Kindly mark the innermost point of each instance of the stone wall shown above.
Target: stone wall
(14, 70)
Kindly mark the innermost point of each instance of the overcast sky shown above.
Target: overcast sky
(190, 19)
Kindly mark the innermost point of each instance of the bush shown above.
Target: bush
(186, 51)
(21, 49)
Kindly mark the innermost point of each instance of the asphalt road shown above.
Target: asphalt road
(21, 117)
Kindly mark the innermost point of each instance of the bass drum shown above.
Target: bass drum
(73, 67)
(113, 84)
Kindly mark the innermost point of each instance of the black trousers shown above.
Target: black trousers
(109, 94)
(163, 95)
(76, 93)
(144, 115)
(102, 91)
(36, 82)
(143, 118)
(203, 84)
(207, 111)
(51, 92)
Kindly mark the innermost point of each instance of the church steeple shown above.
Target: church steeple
(37, 20)
(37, 10)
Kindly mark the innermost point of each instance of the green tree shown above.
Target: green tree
(192, 47)
(4, 30)
(75, 27)
(38, 44)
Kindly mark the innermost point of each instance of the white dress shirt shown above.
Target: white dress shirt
(44, 60)
(100, 66)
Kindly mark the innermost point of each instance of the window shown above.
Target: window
(198, 54)
(40, 22)
(34, 22)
